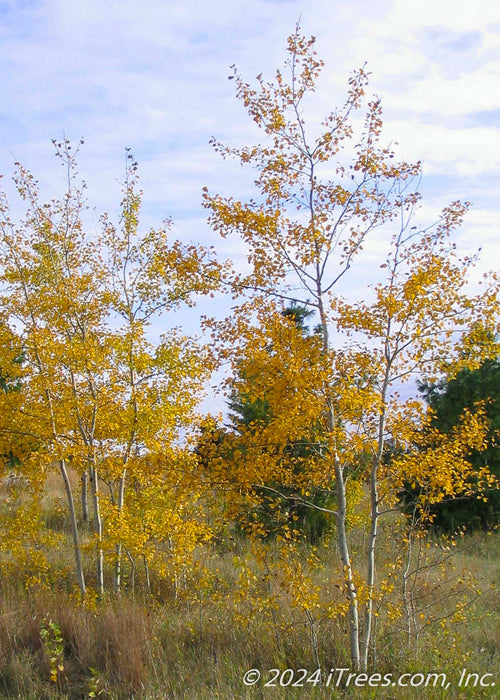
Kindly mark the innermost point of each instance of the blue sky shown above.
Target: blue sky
(152, 76)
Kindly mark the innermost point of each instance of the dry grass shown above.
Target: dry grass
(150, 648)
(195, 640)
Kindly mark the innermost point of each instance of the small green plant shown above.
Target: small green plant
(95, 689)
(53, 645)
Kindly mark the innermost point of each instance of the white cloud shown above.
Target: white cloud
(448, 149)
(152, 76)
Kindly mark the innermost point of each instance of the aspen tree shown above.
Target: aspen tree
(156, 386)
(323, 193)
(51, 292)
(98, 395)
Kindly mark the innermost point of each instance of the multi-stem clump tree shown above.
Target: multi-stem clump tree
(97, 396)
(322, 196)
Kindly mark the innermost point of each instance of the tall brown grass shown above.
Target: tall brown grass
(194, 637)
(170, 646)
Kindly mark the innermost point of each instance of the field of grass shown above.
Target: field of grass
(241, 606)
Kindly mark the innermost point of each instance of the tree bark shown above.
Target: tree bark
(118, 548)
(94, 482)
(84, 496)
(345, 558)
(74, 528)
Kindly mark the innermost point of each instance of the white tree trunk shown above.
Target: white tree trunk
(74, 527)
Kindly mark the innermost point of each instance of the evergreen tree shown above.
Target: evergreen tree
(287, 510)
(448, 400)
